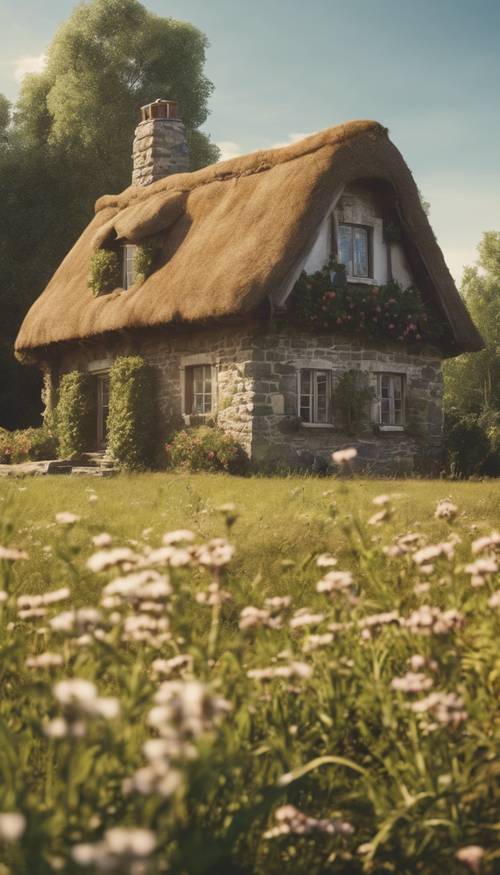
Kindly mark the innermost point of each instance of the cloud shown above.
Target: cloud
(229, 149)
(34, 64)
(292, 138)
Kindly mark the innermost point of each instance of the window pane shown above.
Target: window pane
(384, 387)
(345, 246)
(385, 411)
(321, 397)
(360, 248)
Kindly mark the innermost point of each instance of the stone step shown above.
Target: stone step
(92, 471)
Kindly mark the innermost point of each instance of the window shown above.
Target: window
(314, 395)
(391, 400)
(198, 394)
(128, 278)
(354, 249)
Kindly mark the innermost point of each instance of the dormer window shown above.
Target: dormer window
(354, 244)
(128, 262)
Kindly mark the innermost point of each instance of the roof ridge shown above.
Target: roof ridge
(243, 165)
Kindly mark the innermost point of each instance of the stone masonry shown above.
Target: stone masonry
(255, 393)
(160, 148)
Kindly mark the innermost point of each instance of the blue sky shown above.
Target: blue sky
(427, 69)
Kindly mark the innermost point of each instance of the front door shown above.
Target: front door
(102, 410)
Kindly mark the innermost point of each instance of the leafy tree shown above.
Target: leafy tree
(70, 141)
(472, 381)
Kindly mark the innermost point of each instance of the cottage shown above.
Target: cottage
(296, 297)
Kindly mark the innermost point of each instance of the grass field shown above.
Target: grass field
(280, 519)
(324, 700)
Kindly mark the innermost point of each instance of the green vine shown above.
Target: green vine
(104, 274)
(131, 420)
(74, 414)
(324, 301)
(145, 258)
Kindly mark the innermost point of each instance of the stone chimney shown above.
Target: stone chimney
(160, 146)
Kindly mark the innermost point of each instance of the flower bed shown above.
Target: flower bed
(325, 301)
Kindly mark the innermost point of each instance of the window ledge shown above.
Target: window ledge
(391, 428)
(362, 280)
(317, 424)
(197, 418)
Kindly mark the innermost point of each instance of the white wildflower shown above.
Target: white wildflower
(294, 669)
(343, 457)
(181, 663)
(472, 856)
(12, 826)
(381, 500)
(378, 518)
(102, 540)
(446, 708)
(335, 581)
(446, 510)
(434, 551)
(412, 682)
(325, 560)
(292, 821)
(304, 617)
(65, 518)
(10, 554)
(313, 642)
(215, 553)
(178, 536)
(486, 544)
(44, 660)
(494, 600)
(105, 559)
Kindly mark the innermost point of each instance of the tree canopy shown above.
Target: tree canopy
(69, 140)
(472, 381)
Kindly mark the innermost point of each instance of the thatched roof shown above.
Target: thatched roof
(235, 233)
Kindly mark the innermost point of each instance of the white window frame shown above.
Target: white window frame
(193, 361)
(392, 377)
(128, 269)
(363, 278)
(313, 395)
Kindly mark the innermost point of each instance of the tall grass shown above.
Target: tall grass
(306, 682)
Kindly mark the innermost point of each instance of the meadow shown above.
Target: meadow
(206, 674)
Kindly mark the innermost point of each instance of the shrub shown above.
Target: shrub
(207, 449)
(73, 414)
(146, 255)
(472, 443)
(104, 271)
(29, 444)
(131, 420)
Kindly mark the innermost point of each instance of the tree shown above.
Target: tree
(472, 381)
(70, 141)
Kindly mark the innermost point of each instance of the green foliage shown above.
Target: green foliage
(324, 301)
(328, 732)
(207, 449)
(73, 415)
(104, 273)
(30, 444)
(472, 381)
(70, 142)
(351, 401)
(145, 258)
(131, 420)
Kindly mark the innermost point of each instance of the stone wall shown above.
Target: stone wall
(256, 391)
(278, 435)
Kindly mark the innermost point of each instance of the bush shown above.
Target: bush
(146, 255)
(30, 444)
(131, 420)
(73, 415)
(467, 445)
(207, 449)
(104, 271)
